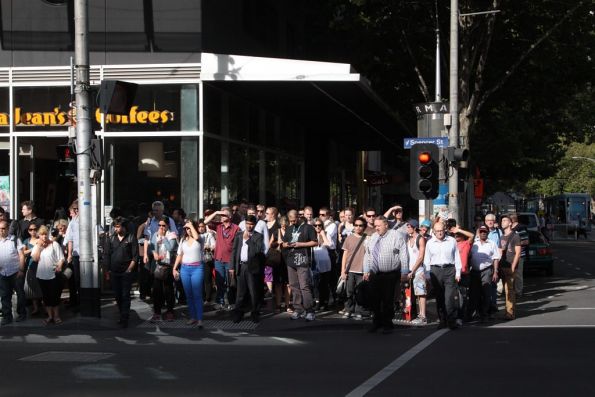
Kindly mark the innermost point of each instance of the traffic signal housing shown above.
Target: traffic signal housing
(66, 153)
(66, 160)
(116, 97)
(424, 170)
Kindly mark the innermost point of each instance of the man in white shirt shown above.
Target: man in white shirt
(443, 259)
(485, 255)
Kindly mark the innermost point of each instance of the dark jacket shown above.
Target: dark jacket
(119, 254)
(255, 252)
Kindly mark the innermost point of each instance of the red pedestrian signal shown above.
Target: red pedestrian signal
(423, 163)
(66, 153)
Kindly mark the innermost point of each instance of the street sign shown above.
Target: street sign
(441, 142)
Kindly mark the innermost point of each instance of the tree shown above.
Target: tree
(520, 70)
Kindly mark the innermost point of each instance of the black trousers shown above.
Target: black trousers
(325, 287)
(249, 287)
(163, 292)
(353, 280)
(382, 288)
(121, 284)
(480, 290)
(208, 281)
(145, 282)
(445, 289)
(74, 282)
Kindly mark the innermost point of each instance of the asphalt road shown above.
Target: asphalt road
(547, 350)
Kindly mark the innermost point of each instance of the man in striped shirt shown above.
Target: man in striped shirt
(386, 262)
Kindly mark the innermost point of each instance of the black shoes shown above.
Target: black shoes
(255, 318)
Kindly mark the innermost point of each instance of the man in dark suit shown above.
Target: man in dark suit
(247, 262)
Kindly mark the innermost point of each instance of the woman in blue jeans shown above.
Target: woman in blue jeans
(191, 272)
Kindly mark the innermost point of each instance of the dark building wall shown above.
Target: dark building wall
(37, 33)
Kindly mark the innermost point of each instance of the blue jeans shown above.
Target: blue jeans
(8, 284)
(192, 279)
(222, 281)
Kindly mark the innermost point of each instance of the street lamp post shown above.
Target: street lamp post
(453, 132)
(89, 279)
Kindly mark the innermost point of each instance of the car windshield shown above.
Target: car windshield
(528, 220)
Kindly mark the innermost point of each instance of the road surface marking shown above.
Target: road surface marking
(577, 268)
(580, 308)
(289, 341)
(542, 326)
(98, 371)
(387, 371)
(156, 373)
(587, 273)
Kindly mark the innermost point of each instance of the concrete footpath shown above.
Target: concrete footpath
(141, 313)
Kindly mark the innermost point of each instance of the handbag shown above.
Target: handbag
(161, 271)
(341, 289)
(32, 288)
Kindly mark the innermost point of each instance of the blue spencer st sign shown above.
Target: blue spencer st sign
(441, 142)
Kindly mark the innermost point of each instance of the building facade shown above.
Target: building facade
(206, 128)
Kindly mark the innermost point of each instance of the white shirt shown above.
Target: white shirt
(244, 250)
(483, 254)
(261, 227)
(72, 234)
(9, 256)
(48, 260)
(442, 252)
(192, 253)
(331, 232)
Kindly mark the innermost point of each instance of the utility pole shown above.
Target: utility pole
(89, 288)
(453, 135)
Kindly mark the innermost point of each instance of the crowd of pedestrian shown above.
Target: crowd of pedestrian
(234, 259)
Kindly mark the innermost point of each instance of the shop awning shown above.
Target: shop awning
(327, 97)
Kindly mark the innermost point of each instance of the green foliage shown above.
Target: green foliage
(573, 175)
(523, 131)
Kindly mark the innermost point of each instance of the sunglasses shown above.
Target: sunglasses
(321, 214)
(358, 225)
(32, 229)
(370, 215)
(162, 225)
(318, 225)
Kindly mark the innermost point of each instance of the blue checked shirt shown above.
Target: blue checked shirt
(391, 253)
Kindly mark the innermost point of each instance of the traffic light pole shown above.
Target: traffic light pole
(453, 134)
(89, 288)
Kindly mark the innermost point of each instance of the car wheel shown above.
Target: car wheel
(549, 270)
